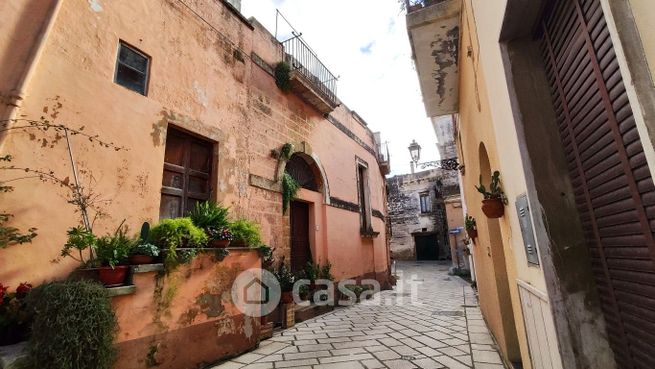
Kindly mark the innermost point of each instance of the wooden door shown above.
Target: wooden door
(614, 191)
(300, 250)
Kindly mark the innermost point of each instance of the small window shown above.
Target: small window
(132, 69)
(187, 173)
(364, 198)
(426, 203)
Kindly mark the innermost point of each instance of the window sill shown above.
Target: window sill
(368, 233)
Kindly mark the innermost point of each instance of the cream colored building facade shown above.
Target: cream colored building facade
(572, 288)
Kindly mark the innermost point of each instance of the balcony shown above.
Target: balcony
(414, 5)
(382, 150)
(309, 78)
(433, 28)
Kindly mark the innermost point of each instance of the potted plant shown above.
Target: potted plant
(492, 205)
(112, 251)
(286, 280)
(246, 233)
(143, 253)
(208, 215)
(471, 227)
(267, 256)
(179, 238)
(219, 237)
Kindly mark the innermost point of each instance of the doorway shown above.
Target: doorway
(301, 252)
(427, 247)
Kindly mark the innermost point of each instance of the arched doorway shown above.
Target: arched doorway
(496, 252)
(304, 170)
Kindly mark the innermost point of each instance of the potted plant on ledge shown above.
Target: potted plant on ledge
(246, 233)
(493, 203)
(471, 227)
(219, 237)
(111, 252)
(286, 280)
(143, 253)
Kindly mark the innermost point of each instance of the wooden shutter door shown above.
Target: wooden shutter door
(614, 191)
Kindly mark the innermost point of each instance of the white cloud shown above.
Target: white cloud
(365, 43)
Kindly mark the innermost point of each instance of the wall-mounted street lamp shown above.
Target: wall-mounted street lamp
(415, 153)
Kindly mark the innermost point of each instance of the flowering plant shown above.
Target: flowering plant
(220, 234)
(14, 317)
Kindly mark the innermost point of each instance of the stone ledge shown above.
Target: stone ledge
(121, 291)
(147, 268)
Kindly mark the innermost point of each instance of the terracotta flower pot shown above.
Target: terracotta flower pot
(113, 277)
(473, 233)
(287, 297)
(493, 208)
(140, 259)
(220, 244)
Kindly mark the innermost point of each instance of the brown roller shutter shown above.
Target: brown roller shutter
(613, 188)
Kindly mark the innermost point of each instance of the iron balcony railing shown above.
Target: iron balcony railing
(414, 5)
(302, 59)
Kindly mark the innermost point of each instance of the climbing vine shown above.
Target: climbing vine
(290, 188)
(283, 76)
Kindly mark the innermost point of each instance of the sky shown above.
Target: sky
(365, 43)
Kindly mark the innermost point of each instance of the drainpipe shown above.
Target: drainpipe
(20, 90)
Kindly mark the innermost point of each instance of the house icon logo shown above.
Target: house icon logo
(256, 292)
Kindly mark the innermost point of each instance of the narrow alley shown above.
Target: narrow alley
(441, 328)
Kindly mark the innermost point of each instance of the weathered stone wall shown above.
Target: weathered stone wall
(405, 215)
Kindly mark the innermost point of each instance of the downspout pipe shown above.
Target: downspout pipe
(20, 90)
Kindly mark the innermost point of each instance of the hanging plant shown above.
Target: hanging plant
(283, 76)
(290, 188)
(286, 151)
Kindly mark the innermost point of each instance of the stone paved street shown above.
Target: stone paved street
(441, 328)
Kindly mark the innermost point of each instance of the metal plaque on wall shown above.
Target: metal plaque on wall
(523, 210)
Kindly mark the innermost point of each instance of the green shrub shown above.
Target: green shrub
(73, 326)
(177, 233)
(209, 215)
(290, 188)
(246, 231)
(171, 234)
(283, 76)
(112, 250)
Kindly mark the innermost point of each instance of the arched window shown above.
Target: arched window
(300, 170)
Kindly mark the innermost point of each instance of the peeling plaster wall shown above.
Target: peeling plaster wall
(405, 211)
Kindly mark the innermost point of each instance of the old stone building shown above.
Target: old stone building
(187, 90)
(417, 214)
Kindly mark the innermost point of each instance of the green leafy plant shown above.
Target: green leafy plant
(267, 256)
(146, 249)
(494, 192)
(290, 189)
(283, 76)
(209, 215)
(284, 277)
(79, 240)
(286, 151)
(469, 222)
(312, 271)
(75, 324)
(173, 234)
(112, 250)
(246, 232)
(326, 272)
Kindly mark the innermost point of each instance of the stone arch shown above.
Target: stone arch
(303, 151)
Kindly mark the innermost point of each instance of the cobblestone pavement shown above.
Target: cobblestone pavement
(441, 328)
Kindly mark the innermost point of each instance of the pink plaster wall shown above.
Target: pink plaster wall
(197, 84)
